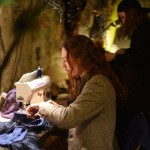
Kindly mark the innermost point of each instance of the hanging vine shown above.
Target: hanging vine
(56, 6)
(72, 13)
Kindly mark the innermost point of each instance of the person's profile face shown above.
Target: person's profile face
(122, 17)
(65, 62)
(72, 69)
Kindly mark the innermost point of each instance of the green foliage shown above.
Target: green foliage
(6, 2)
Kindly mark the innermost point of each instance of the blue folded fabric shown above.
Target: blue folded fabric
(16, 134)
(18, 127)
(138, 133)
(38, 124)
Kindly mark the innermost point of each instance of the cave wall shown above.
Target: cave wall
(36, 39)
(28, 39)
(44, 37)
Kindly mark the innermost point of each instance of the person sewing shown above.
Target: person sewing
(91, 117)
(132, 65)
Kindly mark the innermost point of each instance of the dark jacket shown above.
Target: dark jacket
(133, 67)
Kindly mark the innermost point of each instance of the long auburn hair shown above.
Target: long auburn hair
(133, 18)
(83, 51)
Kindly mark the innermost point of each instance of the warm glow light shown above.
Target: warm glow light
(114, 48)
(109, 34)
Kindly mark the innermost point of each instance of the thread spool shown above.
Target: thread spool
(39, 72)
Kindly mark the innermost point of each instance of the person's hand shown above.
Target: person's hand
(52, 102)
(120, 51)
(110, 56)
(32, 110)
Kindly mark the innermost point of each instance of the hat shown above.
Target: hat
(127, 4)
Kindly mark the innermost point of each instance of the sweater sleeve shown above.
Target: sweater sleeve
(139, 52)
(96, 95)
(127, 57)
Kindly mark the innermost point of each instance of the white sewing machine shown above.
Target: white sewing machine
(31, 90)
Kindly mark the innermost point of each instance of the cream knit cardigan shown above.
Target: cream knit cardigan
(90, 118)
